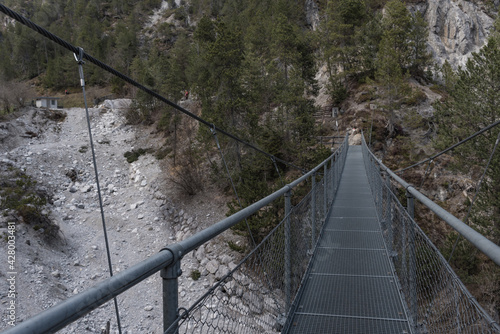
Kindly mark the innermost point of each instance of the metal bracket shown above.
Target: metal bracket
(79, 56)
(79, 60)
(185, 314)
(173, 270)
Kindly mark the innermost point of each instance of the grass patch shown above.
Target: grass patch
(236, 247)
(195, 274)
(74, 100)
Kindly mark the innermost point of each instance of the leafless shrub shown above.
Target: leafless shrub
(186, 174)
(13, 95)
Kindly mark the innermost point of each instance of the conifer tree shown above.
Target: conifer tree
(397, 25)
(343, 19)
(473, 104)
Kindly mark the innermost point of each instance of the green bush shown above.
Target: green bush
(236, 247)
(134, 155)
(195, 274)
(21, 195)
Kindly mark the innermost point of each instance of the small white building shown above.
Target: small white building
(47, 102)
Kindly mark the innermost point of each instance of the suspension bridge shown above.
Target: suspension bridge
(347, 258)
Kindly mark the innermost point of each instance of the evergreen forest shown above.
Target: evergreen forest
(251, 67)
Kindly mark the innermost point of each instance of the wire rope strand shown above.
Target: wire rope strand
(21, 19)
(478, 188)
(82, 82)
(451, 147)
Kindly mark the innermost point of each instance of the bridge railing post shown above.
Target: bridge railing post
(170, 287)
(288, 250)
(388, 212)
(313, 210)
(379, 181)
(412, 263)
(410, 205)
(332, 178)
(325, 189)
(338, 171)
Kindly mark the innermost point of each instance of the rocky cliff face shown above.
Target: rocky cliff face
(312, 14)
(456, 28)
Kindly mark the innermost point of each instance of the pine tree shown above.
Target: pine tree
(473, 104)
(408, 34)
(397, 25)
(421, 58)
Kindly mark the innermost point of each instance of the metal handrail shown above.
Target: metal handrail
(489, 248)
(73, 308)
(444, 304)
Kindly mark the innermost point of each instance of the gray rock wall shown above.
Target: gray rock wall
(456, 28)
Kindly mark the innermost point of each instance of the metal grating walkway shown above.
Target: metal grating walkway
(350, 287)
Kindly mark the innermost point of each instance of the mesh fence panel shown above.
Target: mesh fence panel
(252, 297)
(436, 300)
(257, 295)
(319, 209)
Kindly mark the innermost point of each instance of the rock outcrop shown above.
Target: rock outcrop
(312, 14)
(456, 28)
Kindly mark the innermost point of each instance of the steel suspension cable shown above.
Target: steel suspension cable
(478, 188)
(451, 147)
(80, 62)
(21, 19)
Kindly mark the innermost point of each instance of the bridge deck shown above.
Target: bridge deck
(351, 287)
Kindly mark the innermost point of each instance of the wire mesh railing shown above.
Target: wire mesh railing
(257, 295)
(436, 299)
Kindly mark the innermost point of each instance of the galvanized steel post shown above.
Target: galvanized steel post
(412, 260)
(332, 178)
(410, 204)
(388, 212)
(413, 277)
(313, 210)
(288, 250)
(325, 190)
(337, 171)
(170, 284)
(377, 177)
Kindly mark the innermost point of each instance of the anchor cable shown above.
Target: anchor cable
(79, 59)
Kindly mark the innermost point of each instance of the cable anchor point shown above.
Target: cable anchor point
(80, 61)
(79, 56)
